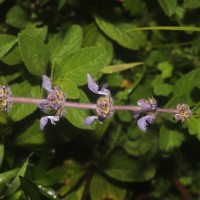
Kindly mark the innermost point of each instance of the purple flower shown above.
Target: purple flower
(54, 102)
(103, 105)
(95, 88)
(148, 105)
(183, 112)
(89, 120)
(44, 121)
(143, 121)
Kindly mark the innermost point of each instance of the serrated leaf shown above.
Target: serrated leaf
(101, 188)
(37, 31)
(65, 43)
(121, 67)
(76, 66)
(168, 6)
(191, 4)
(21, 110)
(6, 43)
(28, 138)
(170, 139)
(186, 84)
(113, 26)
(128, 170)
(17, 17)
(77, 116)
(34, 53)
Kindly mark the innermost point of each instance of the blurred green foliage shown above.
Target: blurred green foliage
(66, 39)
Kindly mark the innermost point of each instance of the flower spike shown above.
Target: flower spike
(104, 103)
(55, 102)
(5, 94)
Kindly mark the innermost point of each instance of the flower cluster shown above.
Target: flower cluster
(5, 94)
(54, 102)
(104, 104)
(148, 107)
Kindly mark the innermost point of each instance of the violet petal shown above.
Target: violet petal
(54, 119)
(92, 85)
(143, 121)
(46, 83)
(104, 91)
(89, 120)
(43, 122)
(144, 105)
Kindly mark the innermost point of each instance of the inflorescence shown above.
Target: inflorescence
(56, 102)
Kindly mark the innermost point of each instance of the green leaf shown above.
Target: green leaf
(138, 144)
(191, 4)
(128, 170)
(48, 192)
(121, 67)
(69, 87)
(168, 6)
(194, 122)
(75, 66)
(101, 188)
(113, 26)
(77, 116)
(34, 53)
(1, 154)
(14, 185)
(6, 43)
(170, 139)
(8, 175)
(30, 189)
(94, 37)
(21, 110)
(1, 1)
(165, 28)
(13, 57)
(17, 17)
(36, 30)
(166, 69)
(186, 84)
(28, 138)
(65, 43)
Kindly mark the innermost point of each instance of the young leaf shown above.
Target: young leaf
(101, 188)
(6, 43)
(34, 53)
